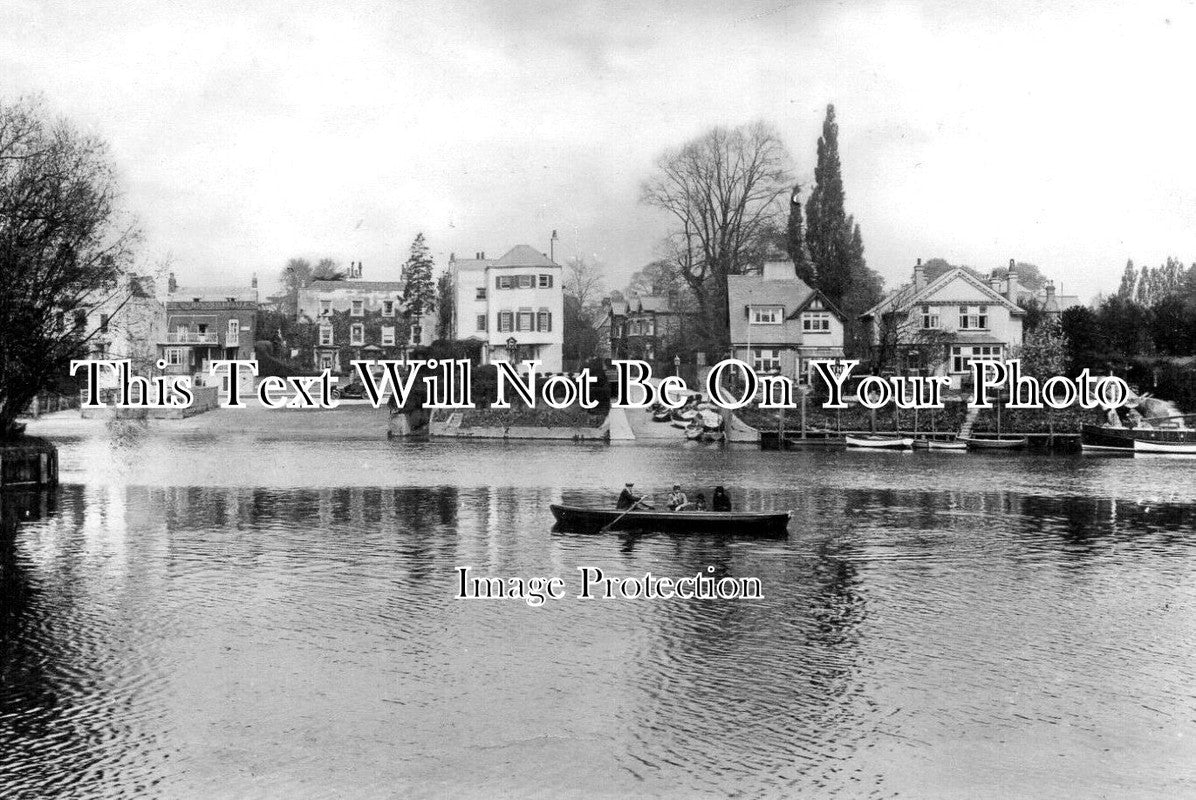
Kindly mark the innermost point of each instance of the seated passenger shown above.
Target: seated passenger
(721, 500)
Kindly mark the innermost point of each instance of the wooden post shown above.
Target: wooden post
(803, 415)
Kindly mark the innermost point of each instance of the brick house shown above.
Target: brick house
(206, 323)
(353, 319)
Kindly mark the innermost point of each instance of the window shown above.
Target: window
(527, 281)
(503, 282)
(930, 318)
(388, 308)
(525, 321)
(357, 308)
(103, 323)
(545, 281)
(325, 335)
(544, 321)
(766, 315)
(326, 361)
(80, 319)
(234, 333)
(816, 322)
(504, 321)
(962, 355)
(973, 318)
(766, 359)
(388, 335)
(174, 356)
(357, 334)
(481, 295)
(481, 322)
(416, 333)
(325, 308)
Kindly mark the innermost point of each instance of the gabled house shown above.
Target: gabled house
(649, 327)
(779, 323)
(939, 327)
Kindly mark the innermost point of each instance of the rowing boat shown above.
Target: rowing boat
(881, 442)
(741, 523)
(996, 444)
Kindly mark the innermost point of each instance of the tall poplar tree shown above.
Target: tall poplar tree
(834, 239)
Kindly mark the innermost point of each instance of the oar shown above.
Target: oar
(610, 524)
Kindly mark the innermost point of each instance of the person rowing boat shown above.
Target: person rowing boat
(628, 500)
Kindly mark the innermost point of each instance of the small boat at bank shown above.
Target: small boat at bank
(741, 523)
(880, 442)
(1012, 443)
(953, 444)
(1175, 449)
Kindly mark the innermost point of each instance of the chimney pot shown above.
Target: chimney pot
(919, 263)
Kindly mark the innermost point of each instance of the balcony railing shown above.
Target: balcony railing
(191, 337)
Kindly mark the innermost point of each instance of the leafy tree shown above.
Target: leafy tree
(299, 273)
(795, 240)
(721, 191)
(1085, 344)
(1173, 326)
(419, 293)
(1045, 352)
(63, 249)
(659, 277)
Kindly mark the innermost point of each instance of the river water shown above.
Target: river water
(194, 615)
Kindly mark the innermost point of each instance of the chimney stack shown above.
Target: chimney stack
(1011, 286)
(919, 276)
(253, 282)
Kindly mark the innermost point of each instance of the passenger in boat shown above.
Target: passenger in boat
(677, 498)
(1136, 420)
(699, 504)
(1112, 420)
(721, 501)
(628, 500)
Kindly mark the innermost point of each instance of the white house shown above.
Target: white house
(514, 305)
(941, 326)
(780, 323)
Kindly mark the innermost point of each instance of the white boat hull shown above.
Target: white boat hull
(884, 443)
(1164, 447)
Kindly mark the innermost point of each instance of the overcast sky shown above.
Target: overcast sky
(246, 133)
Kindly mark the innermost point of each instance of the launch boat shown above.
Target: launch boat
(1173, 435)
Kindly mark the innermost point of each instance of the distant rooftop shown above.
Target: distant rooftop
(213, 294)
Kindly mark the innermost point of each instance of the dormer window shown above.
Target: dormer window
(816, 322)
(766, 315)
(930, 318)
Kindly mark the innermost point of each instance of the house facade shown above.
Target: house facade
(354, 319)
(514, 305)
(779, 323)
(129, 323)
(207, 323)
(939, 327)
(648, 327)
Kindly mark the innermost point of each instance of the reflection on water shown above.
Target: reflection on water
(990, 634)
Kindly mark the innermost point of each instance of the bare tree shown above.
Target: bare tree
(584, 280)
(722, 191)
(63, 249)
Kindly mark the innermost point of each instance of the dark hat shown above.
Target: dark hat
(629, 483)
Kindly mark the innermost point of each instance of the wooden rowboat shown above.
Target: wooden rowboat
(881, 442)
(996, 444)
(1173, 448)
(739, 523)
(953, 444)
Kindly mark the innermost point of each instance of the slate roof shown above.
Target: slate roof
(905, 297)
(523, 255)
(213, 294)
(753, 290)
(359, 286)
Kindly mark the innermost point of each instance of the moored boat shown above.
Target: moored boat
(742, 523)
(1003, 443)
(952, 444)
(881, 442)
(1175, 449)
(1171, 434)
